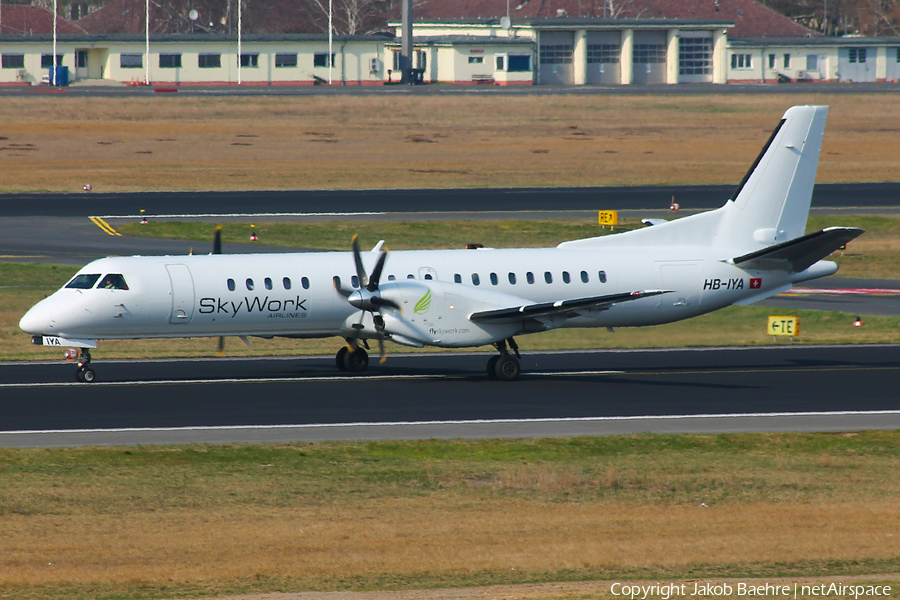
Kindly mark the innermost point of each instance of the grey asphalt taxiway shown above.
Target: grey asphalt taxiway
(782, 388)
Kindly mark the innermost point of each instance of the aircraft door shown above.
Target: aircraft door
(684, 282)
(182, 294)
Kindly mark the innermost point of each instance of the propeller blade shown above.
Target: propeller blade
(220, 351)
(376, 273)
(378, 301)
(381, 350)
(217, 241)
(340, 290)
(357, 258)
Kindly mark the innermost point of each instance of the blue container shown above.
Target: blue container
(62, 76)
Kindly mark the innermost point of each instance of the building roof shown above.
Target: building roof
(817, 41)
(160, 38)
(31, 20)
(750, 18)
(272, 16)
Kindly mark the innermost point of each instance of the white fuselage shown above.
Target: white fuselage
(293, 295)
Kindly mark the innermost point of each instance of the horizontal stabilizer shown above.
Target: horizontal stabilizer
(560, 307)
(799, 254)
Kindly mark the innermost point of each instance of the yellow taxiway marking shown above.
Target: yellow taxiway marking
(104, 226)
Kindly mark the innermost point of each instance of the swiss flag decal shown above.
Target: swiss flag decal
(755, 283)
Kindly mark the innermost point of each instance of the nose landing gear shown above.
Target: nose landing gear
(84, 373)
(504, 367)
(354, 361)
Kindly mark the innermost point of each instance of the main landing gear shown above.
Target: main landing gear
(85, 374)
(352, 361)
(504, 367)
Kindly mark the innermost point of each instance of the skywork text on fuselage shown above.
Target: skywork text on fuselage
(284, 308)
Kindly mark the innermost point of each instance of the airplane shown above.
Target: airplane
(749, 249)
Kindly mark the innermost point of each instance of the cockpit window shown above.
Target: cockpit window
(83, 282)
(113, 281)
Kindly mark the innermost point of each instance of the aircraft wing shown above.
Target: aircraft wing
(799, 254)
(568, 308)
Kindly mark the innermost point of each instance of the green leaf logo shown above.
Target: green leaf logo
(423, 304)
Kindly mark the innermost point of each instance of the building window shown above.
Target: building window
(812, 62)
(421, 59)
(209, 61)
(13, 61)
(126, 61)
(81, 57)
(518, 63)
(476, 60)
(501, 63)
(771, 61)
(787, 61)
(250, 60)
(320, 59)
(898, 54)
(741, 61)
(47, 60)
(397, 59)
(559, 54)
(169, 61)
(695, 56)
(606, 54)
(285, 60)
(857, 55)
(649, 53)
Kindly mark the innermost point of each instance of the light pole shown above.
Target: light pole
(330, 28)
(53, 64)
(239, 42)
(147, 42)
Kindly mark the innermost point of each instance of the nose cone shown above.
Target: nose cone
(38, 320)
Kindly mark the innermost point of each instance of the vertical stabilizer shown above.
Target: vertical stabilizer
(771, 204)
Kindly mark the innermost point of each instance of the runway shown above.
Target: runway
(786, 388)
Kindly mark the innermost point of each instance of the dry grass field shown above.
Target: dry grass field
(189, 143)
(196, 521)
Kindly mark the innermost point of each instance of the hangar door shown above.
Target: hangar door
(603, 51)
(856, 64)
(557, 50)
(649, 57)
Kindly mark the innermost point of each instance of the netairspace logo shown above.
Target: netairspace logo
(666, 591)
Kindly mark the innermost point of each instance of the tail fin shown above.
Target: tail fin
(771, 204)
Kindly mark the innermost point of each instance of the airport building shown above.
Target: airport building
(744, 42)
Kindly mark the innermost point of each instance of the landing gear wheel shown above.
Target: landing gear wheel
(507, 368)
(492, 366)
(339, 358)
(85, 374)
(356, 361)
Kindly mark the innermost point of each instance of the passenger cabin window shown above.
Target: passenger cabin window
(602, 276)
(391, 278)
(476, 280)
(354, 281)
(304, 281)
(410, 276)
(113, 281)
(83, 282)
(457, 278)
(337, 281)
(512, 278)
(494, 279)
(286, 282)
(566, 278)
(428, 276)
(548, 277)
(584, 277)
(529, 277)
(268, 282)
(231, 285)
(250, 285)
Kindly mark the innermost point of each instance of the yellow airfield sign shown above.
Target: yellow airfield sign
(609, 217)
(789, 326)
